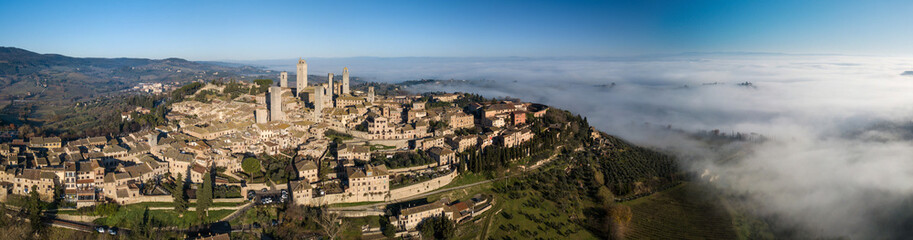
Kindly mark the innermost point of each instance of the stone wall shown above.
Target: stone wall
(145, 198)
(347, 198)
(359, 213)
(422, 187)
(402, 170)
(395, 194)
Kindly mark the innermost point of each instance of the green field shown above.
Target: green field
(130, 216)
(191, 206)
(466, 178)
(688, 211)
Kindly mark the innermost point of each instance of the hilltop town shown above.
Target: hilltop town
(333, 140)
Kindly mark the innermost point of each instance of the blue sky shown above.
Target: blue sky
(251, 30)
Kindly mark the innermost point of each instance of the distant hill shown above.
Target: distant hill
(907, 73)
(26, 74)
(37, 85)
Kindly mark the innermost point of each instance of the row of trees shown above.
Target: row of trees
(402, 159)
(204, 196)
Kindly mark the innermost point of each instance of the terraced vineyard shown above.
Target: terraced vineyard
(687, 211)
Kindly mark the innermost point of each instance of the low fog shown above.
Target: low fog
(839, 157)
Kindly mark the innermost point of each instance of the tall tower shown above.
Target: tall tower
(153, 139)
(275, 104)
(318, 101)
(302, 76)
(345, 81)
(261, 115)
(330, 83)
(330, 88)
(371, 95)
(283, 79)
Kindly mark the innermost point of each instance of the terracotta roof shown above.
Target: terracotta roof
(300, 185)
(422, 208)
(305, 165)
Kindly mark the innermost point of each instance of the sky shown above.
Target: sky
(259, 30)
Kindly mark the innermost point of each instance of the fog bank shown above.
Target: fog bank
(839, 161)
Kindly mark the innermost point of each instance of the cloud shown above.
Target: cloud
(839, 161)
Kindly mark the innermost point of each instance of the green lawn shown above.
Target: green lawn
(192, 206)
(466, 178)
(353, 226)
(130, 216)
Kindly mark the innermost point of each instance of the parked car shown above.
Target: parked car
(100, 229)
(251, 194)
(112, 231)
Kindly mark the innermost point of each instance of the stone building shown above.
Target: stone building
(449, 97)
(368, 180)
(460, 120)
(410, 217)
(461, 143)
(345, 81)
(302, 77)
(443, 156)
(497, 121)
(301, 192)
(307, 171)
(275, 104)
(353, 152)
(512, 138)
(497, 109)
(262, 115)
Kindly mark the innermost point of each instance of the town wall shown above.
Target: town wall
(422, 187)
(408, 169)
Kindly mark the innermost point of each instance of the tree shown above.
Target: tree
(262, 85)
(144, 228)
(386, 227)
(250, 166)
(180, 203)
(204, 196)
(4, 219)
(330, 222)
(620, 219)
(438, 227)
(34, 209)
